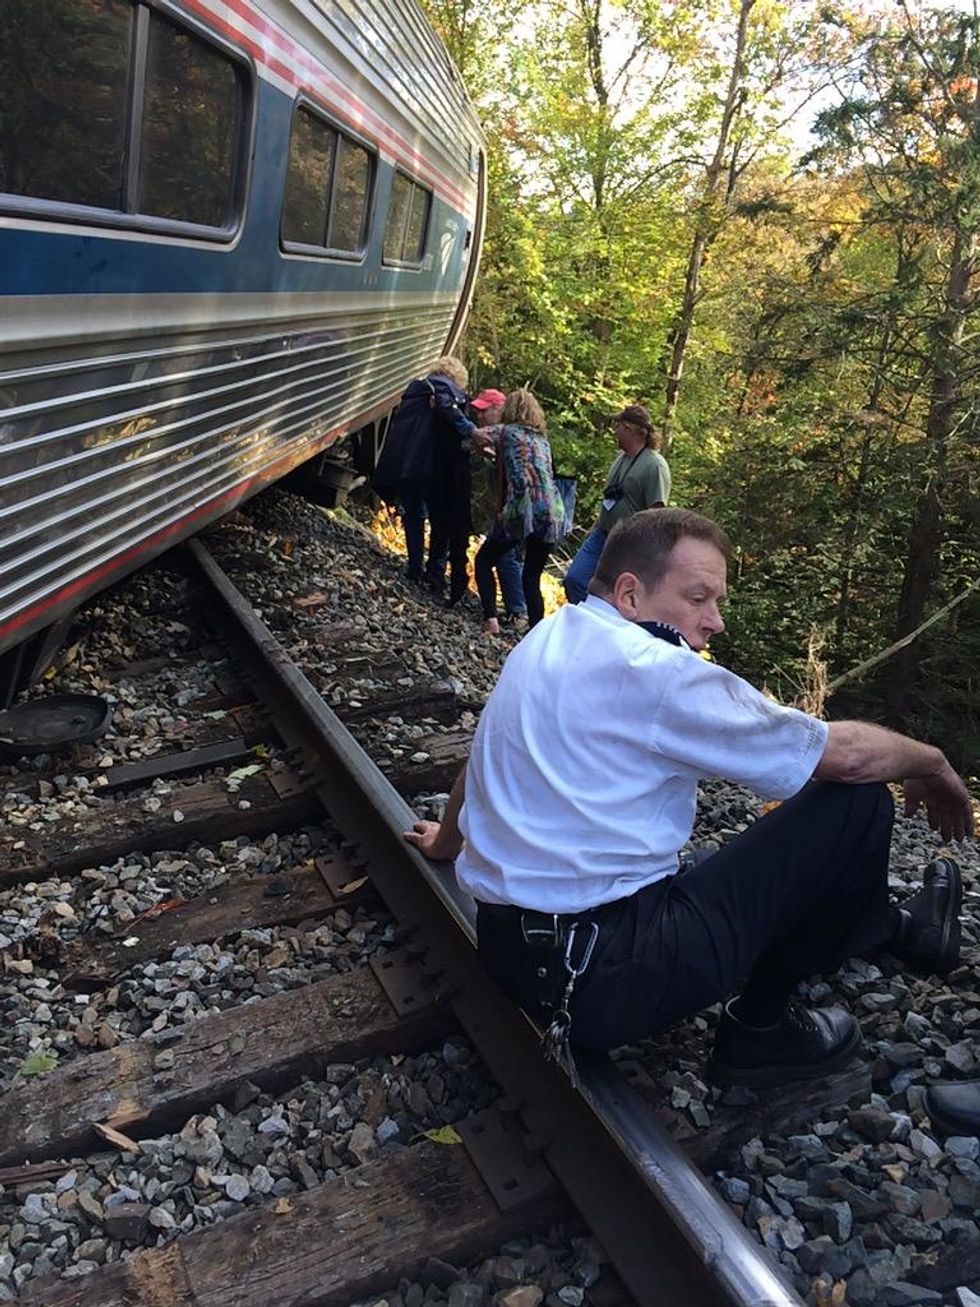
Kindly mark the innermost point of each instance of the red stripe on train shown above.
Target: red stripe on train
(361, 113)
(211, 507)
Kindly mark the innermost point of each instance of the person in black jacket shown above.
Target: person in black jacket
(424, 467)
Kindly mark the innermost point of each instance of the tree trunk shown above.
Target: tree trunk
(708, 225)
(925, 537)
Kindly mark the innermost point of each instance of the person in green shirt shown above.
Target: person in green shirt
(639, 478)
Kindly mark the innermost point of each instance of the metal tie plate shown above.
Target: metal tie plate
(497, 1144)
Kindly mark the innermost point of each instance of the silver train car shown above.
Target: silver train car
(230, 232)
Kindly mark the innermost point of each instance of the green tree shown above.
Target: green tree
(910, 128)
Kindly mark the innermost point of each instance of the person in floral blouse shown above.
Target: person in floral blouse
(529, 507)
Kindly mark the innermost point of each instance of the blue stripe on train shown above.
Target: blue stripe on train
(61, 263)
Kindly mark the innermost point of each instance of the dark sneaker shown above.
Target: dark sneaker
(808, 1043)
(928, 939)
(954, 1109)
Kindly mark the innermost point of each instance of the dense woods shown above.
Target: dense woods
(761, 220)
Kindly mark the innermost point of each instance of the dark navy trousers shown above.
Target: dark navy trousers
(795, 895)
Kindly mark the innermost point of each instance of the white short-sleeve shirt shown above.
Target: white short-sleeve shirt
(581, 785)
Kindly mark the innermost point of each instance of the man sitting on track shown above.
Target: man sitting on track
(581, 789)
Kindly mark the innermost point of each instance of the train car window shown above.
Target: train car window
(398, 211)
(190, 128)
(407, 225)
(110, 105)
(418, 221)
(64, 74)
(329, 181)
(312, 146)
(349, 207)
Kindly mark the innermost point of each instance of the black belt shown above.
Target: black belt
(513, 912)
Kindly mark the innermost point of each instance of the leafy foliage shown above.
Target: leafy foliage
(828, 405)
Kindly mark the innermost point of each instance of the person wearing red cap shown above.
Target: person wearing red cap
(489, 404)
(488, 407)
(639, 478)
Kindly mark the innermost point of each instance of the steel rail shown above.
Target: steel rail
(669, 1236)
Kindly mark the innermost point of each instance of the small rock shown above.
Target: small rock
(128, 1221)
(261, 1180)
(921, 1143)
(872, 1123)
(900, 1198)
(964, 1191)
(237, 1188)
(838, 1221)
(935, 1206)
(36, 1209)
(161, 1219)
(528, 1295)
(362, 1142)
(736, 1190)
(466, 1294)
(388, 1129)
(960, 1057)
(91, 1206)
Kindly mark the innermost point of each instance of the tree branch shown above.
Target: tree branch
(868, 663)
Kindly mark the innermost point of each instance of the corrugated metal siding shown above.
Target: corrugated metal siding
(399, 42)
(148, 437)
(129, 419)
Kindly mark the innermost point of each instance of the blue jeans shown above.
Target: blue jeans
(580, 569)
(509, 569)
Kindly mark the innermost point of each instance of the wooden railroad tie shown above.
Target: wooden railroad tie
(149, 1085)
(340, 1242)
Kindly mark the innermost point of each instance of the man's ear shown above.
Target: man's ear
(625, 595)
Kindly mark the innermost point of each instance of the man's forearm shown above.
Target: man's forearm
(450, 832)
(860, 752)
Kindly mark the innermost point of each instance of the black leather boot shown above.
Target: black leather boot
(954, 1109)
(806, 1044)
(928, 939)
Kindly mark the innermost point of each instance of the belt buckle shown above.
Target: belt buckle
(542, 929)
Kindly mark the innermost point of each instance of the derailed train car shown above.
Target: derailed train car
(230, 232)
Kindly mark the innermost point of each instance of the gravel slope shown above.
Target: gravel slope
(864, 1195)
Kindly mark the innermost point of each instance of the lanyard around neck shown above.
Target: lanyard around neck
(618, 483)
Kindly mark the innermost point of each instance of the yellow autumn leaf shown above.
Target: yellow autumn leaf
(444, 1135)
(352, 885)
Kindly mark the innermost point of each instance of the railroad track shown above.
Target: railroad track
(535, 1152)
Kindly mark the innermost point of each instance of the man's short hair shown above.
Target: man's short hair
(642, 544)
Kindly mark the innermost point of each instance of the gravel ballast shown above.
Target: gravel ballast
(863, 1195)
